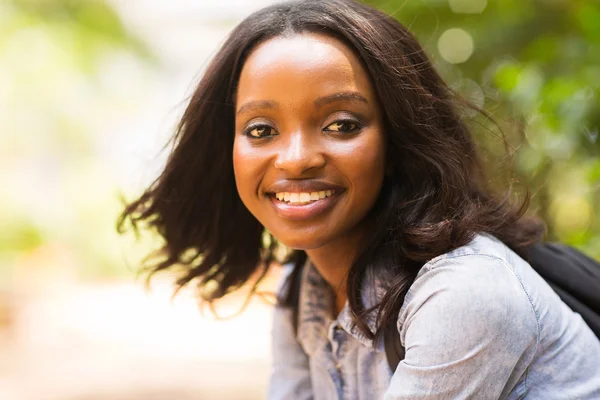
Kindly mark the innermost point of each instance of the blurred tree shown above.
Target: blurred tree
(538, 63)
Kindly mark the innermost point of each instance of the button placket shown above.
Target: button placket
(336, 338)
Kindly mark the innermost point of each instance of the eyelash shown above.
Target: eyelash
(357, 127)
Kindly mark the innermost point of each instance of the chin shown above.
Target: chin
(302, 242)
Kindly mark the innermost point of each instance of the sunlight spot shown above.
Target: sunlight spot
(467, 6)
(455, 45)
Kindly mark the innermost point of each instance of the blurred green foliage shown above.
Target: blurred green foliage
(88, 28)
(56, 90)
(535, 63)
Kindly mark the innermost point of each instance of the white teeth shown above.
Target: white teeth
(303, 197)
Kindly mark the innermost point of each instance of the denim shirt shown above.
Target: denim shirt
(478, 323)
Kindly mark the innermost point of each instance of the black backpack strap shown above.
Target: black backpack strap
(574, 276)
(570, 269)
(591, 317)
(394, 351)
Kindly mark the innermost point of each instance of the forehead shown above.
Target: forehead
(303, 62)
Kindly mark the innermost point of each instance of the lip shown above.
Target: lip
(300, 212)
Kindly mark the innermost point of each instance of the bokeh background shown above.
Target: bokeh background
(90, 92)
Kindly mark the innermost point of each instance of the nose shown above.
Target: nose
(299, 154)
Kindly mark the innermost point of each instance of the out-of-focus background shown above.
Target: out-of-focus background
(91, 90)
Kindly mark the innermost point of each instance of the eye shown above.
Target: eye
(260, 131)
(344, 126)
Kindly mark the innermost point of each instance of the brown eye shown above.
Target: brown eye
(260, 131)
(343, 127)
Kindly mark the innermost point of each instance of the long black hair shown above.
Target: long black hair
(436, 198)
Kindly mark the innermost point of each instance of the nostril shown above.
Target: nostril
(298, 165)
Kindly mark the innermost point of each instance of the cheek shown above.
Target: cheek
(367, 167)
(248, 169)
(242, 164)
(238, 159)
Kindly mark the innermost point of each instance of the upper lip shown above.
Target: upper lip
(302, 186)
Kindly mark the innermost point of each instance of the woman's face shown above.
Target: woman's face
(309, 148)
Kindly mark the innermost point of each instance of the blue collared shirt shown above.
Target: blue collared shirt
(477, 323)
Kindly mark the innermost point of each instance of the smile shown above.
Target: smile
(304, 197)
(300, 206)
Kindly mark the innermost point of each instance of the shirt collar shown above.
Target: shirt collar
(316, 309)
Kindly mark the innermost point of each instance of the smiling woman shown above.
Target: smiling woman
(326, 136)
(323, 125)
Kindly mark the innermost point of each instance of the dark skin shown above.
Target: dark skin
(306, 111)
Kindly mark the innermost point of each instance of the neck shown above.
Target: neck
(333, 262)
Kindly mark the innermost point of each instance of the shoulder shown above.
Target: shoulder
(485, 261)
(481, 246)
(476, 285)
(466, 316)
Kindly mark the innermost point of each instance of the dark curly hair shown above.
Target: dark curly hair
(435, 200)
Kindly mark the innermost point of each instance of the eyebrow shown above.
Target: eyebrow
(257, 105)
(320, 102)
(342, 96)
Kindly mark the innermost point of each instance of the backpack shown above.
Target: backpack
(574, 276)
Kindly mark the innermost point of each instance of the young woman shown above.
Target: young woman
(323, 126)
